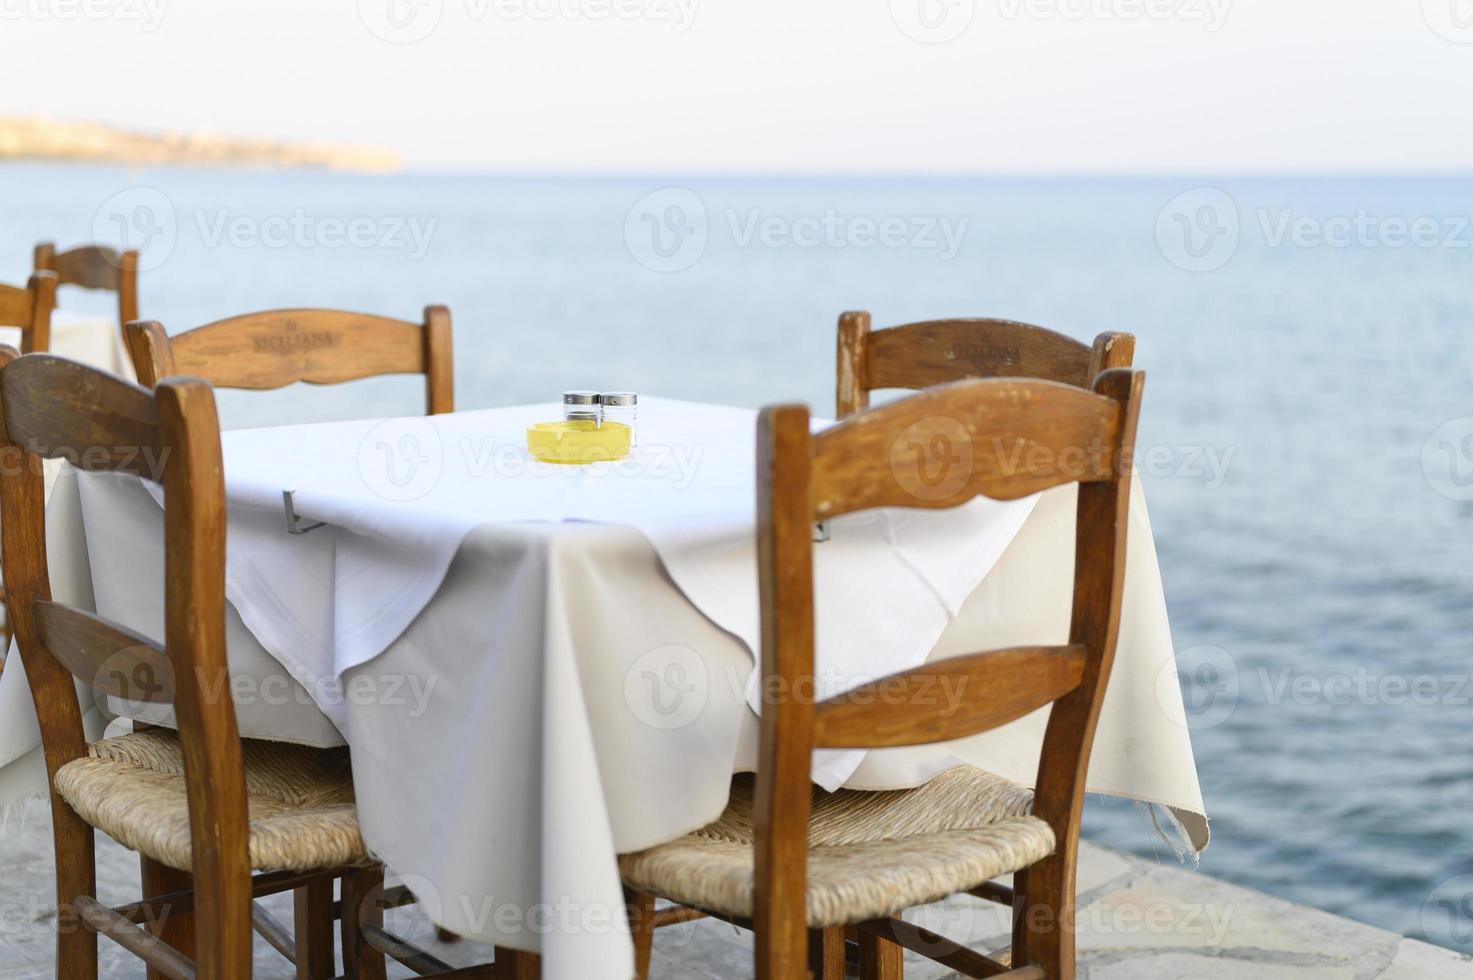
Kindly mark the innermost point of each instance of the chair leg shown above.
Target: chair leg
(1044, 918)
(879, 959)
(826, 953)
(1019, 947)
(513, 964)
(362, 891)
(222, 912)
(313, 914)
(641, 929)
(76, 875)
(174, 928)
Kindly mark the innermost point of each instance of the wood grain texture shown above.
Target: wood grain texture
(275, 348)
(826, 954)
(1068, 434)
(362, 904)
(53, 407)
(922, 355)
(148, 346)
(53, 693)
(128, 287)
(803, 478)
(1110, 350)
(948, 699)
(280, 347)
(1044, 933)
(30, 308)
(312, 914)
(439, 361)
(88, 266)
(15, 305)
(1001, 438)
(852, 394)
(938, 351)
(270, 883)
(934, 946)
(170, 922)
(194, 636)
(57, 408)
(782, 798)
(261, 351)
(160, 958)
(641, 910)
(879, 958)
(419, 961)
(276, 934)
(112, 659)
(94, 267)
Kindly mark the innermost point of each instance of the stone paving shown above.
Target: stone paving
(1139, 921)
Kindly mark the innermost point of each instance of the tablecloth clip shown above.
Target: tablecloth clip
(821, 532)
(294, 523)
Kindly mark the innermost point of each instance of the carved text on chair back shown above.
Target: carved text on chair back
(920, 355)
(281, 347)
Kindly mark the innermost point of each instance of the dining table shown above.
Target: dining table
(536, 668)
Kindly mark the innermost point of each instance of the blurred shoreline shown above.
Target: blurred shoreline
(41, 138)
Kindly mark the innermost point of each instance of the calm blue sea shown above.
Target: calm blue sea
(1309, 412)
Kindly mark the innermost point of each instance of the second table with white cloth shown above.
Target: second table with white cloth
(90, 338)
(539, 667)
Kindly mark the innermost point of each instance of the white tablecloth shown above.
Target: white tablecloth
(561, 695)
(94, 340)
(401, 495)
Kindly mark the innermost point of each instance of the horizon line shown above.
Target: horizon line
(525, 172)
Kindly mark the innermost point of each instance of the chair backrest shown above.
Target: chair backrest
(1002, 438)
(29, 307)
(51, 408)
(95, 267)
(921, 355)
(280, 347)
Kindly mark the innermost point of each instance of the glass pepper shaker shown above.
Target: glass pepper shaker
(621, 407)
(581, 406)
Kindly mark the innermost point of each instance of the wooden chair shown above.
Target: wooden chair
(798, 865)
(279, 347)
(95, 267)
(919, 355)
(271, 350)
(29, 307)
(180, 798)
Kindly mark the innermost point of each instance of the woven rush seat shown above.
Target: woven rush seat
(299, 800)
(871, 854)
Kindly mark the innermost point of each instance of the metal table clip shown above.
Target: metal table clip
(294, 523)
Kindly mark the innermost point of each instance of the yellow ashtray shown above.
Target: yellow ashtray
(578, 442)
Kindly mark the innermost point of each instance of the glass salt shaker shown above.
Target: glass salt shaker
(622, 407)
(581, 406)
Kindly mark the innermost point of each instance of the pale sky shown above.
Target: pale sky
(1016, 86)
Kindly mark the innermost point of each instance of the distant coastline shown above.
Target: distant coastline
(44, 138)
